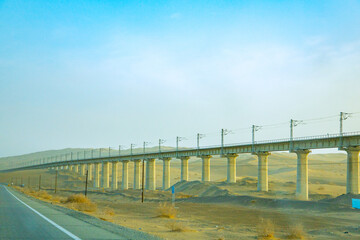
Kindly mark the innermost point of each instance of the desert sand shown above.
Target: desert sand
(218, 210)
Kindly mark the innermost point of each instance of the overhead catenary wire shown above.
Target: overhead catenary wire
(318, 120)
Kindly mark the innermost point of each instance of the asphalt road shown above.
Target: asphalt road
(24, 218)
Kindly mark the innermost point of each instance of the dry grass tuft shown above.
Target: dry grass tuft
(296, 232)
(182, 196)
(265, 229)
(80, 202)
(57, 199)
(166, 210)
(177, 227)
(42, 194)
(77, 198)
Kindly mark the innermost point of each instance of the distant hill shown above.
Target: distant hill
(10, 162)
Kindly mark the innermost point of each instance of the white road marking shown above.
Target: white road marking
(50, 221)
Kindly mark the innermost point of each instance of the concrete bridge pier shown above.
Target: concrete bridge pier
(114, 176)
(184, 168)
(302, 176)
(125, 176)
(166, 173)
(76, 168)
(82, 169)
(263, 173)
(146, 174)
(105, 174)
(151, 174)
(90, 171)
(137, 175)
(231, 167)
(205, 176)
(97, 175)
(352, 172)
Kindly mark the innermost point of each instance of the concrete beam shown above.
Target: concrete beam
(90, 171)
(302, 175)
(114, 176)
(231, 167)
(137, 175)
(105, 175)
(146, 174)
(97, 175)
(82, 169)
(166, 173)
(352, 172)
(152, 173)
(125, 176)
(263, 172)
(205, 176)
(76, 168)
(184, 168)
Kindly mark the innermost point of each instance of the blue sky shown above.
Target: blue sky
(103, 73)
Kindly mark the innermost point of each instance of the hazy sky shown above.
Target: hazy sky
(104, 73)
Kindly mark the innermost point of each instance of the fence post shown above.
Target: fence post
(86, 182)
(40, 182)
(56, 174)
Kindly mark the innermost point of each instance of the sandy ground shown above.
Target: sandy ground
(217, 210)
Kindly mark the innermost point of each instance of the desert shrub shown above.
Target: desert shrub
(177, 227)
(77, 198)
(265, 229)
(296, 232)
(43, 194)
(80, 202)
(57, 199)
(85, 207)
(166, 210)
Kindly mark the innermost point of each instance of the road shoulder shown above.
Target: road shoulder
(81, 224)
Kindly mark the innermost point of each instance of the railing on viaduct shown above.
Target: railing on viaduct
(311, 142)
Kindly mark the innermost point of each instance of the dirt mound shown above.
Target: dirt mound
(259, 202)
(345, 199)
(249, 181)
(202, 189)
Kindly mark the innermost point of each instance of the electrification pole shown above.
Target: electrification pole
(224, 132)
(343, 116)
(199, 136)
(178, 139)
(254, 129)
(293, 123)
(131, 150)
